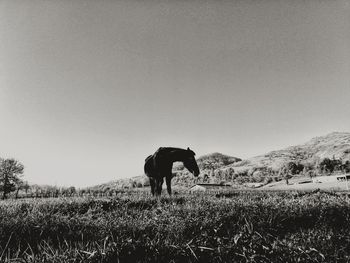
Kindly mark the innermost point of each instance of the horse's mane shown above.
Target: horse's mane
(172, 149)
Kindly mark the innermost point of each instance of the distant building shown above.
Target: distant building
(345, 177)
(331, 178)
(209, 187)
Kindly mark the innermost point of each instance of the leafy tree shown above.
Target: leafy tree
(347, 166)
(289, 169)
(329, 166)
(10, 172)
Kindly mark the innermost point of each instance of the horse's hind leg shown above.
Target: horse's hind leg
(159, 184)
(168, 184)
(152, 183)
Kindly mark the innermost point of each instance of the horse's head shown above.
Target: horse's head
(190, 162)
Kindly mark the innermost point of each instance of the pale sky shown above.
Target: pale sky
(88, 89)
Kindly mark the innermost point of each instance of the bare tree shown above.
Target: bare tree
(10, 172)
(26, 187)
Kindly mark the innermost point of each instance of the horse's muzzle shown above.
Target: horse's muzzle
(195, 173)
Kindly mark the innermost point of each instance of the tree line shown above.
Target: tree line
(13, 185)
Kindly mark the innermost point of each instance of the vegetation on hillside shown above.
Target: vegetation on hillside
(243, 226)
(334, 146)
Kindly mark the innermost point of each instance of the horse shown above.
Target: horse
(160, 164)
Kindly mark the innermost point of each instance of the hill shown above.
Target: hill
(335, 145)
(210, 162)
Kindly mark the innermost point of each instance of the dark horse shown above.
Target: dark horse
(160, 164)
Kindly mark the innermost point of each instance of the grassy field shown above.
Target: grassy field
(242, 226)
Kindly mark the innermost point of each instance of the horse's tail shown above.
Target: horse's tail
(149, 157)
(148, 165)
(151, 163)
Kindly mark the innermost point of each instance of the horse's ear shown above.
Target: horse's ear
(188, 149)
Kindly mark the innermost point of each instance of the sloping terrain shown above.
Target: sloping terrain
(209, 162)
(136, 181)
(334, 145)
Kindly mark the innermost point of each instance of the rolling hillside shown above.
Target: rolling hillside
(209, 166)
(334, 145)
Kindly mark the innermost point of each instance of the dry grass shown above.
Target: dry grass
(243, 226)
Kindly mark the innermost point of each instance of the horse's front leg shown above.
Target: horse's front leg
(168, 183)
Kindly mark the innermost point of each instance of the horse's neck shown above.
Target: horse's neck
(176, 156)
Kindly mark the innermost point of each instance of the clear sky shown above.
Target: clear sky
(88, 89)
